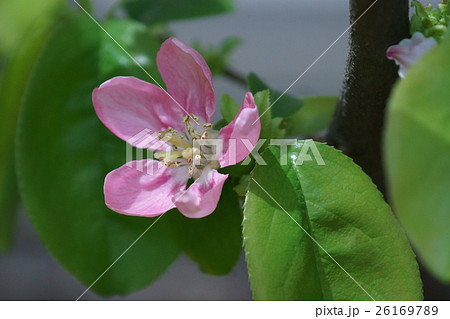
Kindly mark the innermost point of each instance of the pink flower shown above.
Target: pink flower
(181, 121)
(409, 51)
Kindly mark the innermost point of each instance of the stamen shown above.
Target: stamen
(196, 151)
(188, 125)
(170, 135)
(171, 164)
(197, 160)
(167, 156)
(194, 117)
(169, 130)
(183, 152)
(191, 170)
(175, 140)
(187, 154)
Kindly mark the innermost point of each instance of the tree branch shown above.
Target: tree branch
(235, 77)
(357, 125)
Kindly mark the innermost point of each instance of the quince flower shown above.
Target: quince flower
(409, 51)
(180, 119)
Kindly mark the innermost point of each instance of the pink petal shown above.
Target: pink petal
(145, 189)
(127, 106)
(201, 198)
(409, 51)
(187, 77)
(245, 126)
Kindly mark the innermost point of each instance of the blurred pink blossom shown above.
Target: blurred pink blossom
(409, 51)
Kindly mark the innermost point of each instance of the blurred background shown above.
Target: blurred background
(280, 41)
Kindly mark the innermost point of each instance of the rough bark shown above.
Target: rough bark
(357, 125)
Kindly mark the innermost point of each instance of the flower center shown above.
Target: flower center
(189, 148)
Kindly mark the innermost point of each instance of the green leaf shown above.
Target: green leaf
(430, 21)
(86, 5)
(314, 116)
(278, 131)
(228, 107)
(242, 187)
(156, 11)
(220, 124)
(217, 57)
(12, 86)
(215, 241)
(417, 158)
(9, 200)
(63, 155)
(339, 206)
(138, 41)
(284, 106)
(262, 101)
(21, 16)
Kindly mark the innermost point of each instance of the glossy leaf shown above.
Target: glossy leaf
(314, 116)
(63, 155)
(339, 206)
(262, 101)
(219, 124)
(283, 107)
(215, 241)
(156, 11)
(417, 158)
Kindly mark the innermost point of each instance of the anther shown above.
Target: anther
(207, 126)
(194, 117)
(167, 156)
(197, 160)
(191, 170)
(171, 164)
